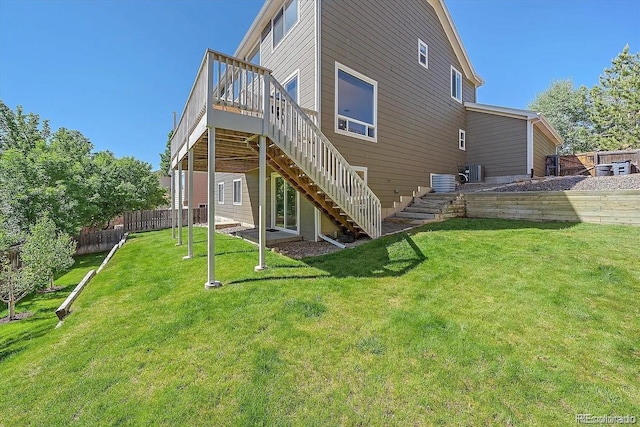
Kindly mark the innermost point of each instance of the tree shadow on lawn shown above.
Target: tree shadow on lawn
(389, 256)
(396, 254)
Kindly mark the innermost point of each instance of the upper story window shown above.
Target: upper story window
(456, 84)
(284, 20)
(356, 104)
(462, 139)
(254, 56)
(423, 54)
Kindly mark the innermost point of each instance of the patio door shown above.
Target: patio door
(284, 205)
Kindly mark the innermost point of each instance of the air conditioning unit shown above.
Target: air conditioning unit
(476, 173)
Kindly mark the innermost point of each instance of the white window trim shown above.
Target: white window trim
(284, 36)
(220, 193)
(239, 203)
(458, 73)
(462, 139)
(202, 205)
(420, 44)
(274, 175)
(361, 76)
(290, 77)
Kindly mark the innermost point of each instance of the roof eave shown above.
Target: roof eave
(456, 41)
(253, 33)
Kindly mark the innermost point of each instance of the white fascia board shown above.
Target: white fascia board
(455, 40)
(501, 111)
(548, 129)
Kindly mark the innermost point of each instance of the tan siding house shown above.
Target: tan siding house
(390, 85)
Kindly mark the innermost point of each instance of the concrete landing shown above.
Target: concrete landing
(273, 237)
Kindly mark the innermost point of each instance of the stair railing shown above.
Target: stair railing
(296, 134)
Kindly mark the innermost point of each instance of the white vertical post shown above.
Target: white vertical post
(190, 207)
(172, 187)
(179, 204)
(262, 200)
(211, 182)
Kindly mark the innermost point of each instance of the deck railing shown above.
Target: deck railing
(236, 85)
(246, 88)
(299, 137)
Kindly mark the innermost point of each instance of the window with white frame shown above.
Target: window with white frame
(237, 191)
(356, 104)
(291, 86)
(456, 84)
(221, 193)
(423, 54)
(284, 20)
(462, 139)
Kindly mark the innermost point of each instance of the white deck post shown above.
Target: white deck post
(211, 182)
(172, 188)
(262, 200)
(190, 207)
(179, 204)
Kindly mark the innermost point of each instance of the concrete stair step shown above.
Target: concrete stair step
(422, 209)
(414, 215)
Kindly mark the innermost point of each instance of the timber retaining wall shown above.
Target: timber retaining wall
(600, 207)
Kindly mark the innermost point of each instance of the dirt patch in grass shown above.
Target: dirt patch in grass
(18, 316)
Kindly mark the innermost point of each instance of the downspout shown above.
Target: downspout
(530, 122)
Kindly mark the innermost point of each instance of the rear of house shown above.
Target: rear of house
(392, 88)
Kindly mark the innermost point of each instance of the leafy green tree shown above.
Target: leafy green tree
(59, 176)
(46, 252)
(616, 103)
(124, 184)
(165, 156)
(13, 285)
(567, 109)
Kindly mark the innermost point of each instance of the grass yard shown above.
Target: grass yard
(466, 322)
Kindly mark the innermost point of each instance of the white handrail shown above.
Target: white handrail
(298, 136)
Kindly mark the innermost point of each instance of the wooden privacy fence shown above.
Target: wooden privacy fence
(600, 207)
(91, 242)
(160, 219)
(584, 163)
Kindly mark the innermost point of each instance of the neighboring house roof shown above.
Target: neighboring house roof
(537, 119)
(270, 7)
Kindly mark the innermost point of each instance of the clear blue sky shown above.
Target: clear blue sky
(115, 70)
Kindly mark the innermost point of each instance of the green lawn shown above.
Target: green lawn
(466, 322)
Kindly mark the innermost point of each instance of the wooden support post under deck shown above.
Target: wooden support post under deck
(190, 208)
(211, 212)
(172, 187)
(179, 204)
(262, 200)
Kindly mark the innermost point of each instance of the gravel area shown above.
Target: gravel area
(576, 183)
(304, 249)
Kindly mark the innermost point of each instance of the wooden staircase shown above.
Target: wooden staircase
(296, 147)
(290, 171)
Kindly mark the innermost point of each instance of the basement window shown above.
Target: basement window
(237, 191)
(221, 193)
